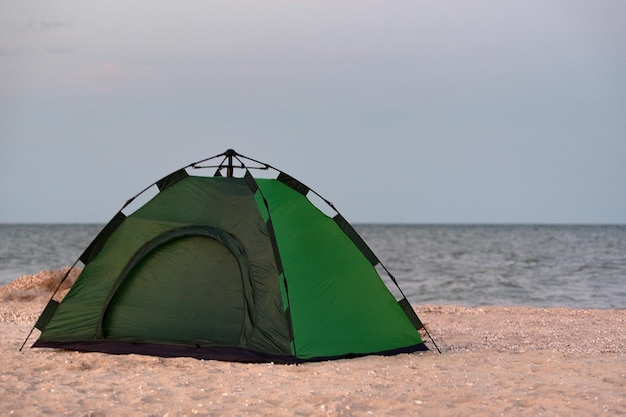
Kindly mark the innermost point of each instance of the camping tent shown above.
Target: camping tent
(234, 268)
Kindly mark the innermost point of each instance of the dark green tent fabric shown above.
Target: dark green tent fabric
(229, 268)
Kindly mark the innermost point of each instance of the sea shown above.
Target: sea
(577, 266)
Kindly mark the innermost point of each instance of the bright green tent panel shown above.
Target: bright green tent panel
(339, 304)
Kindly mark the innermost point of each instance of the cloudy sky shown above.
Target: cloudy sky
(419, 111)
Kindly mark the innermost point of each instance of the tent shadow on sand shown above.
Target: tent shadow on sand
(232, 268)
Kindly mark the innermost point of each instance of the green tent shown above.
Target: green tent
(233, 268)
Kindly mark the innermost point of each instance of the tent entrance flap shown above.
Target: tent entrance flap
(150, 299)
(188, 291)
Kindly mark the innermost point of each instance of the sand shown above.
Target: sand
(495, 361)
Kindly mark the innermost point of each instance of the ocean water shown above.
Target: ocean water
(470, 265)
(26, 249)
(474, 265)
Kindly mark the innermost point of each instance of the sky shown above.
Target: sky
(396, 111)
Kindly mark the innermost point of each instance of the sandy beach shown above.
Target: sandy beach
(495, 361)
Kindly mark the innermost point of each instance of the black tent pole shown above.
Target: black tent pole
(229, 168)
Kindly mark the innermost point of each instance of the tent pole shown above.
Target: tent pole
(431, 339)
(229, 168)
